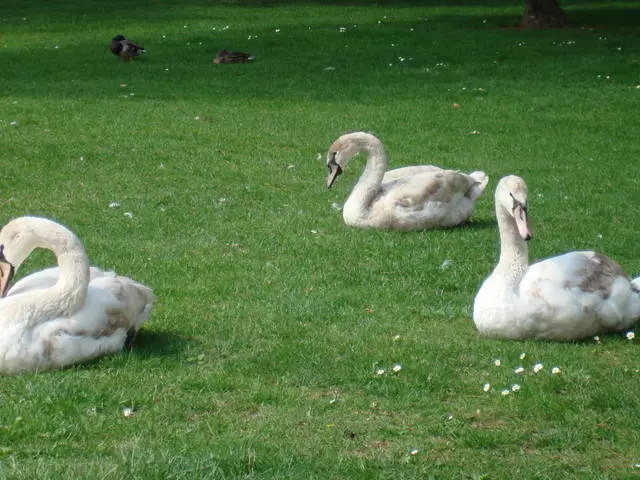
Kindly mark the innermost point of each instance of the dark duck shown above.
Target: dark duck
(226, 56)
(125, 49)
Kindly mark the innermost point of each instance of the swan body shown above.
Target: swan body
(408, 198)
(63, 315)
(572, 296)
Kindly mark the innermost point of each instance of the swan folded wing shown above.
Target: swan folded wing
(406, 172)
(135, 299)
(427, 200)
(100, 315)
(36, 281)
(583, 271)
(436, 200)
(579, 294)
(444, 186)
(47, 278)
(123, 295)
(481, 180)
(98, 328)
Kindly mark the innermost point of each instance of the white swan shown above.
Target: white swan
(409, 198)
(63, 315)
(571, 296)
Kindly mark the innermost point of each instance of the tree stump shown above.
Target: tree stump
(544, 14)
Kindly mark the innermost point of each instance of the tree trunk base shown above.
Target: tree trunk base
(544, 14)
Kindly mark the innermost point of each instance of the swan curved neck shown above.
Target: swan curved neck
(368, 185)
(71, 287)
(68, 294)
(514, 251)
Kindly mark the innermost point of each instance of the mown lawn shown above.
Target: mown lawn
(262, 359)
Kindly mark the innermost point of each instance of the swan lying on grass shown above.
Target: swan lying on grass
(63, 315)
(409, 198)
(571, 296)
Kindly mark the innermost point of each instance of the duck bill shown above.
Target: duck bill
(6, 275)
(522, 222)
(334, 171)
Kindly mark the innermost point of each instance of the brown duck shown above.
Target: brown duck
(125, 49)
(227, 56)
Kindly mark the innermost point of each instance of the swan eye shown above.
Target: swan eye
(517, 203)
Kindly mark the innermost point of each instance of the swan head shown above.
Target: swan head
(21, 236)
(17, 241)
(6, 273)
(334, 168)
(512, 199)
(344, 149)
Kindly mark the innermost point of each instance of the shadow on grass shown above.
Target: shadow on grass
(78, 13)
(151, 343)
(481, 224)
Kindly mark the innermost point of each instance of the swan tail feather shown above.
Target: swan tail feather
(481, 181)
(136, 300)
(140, 300)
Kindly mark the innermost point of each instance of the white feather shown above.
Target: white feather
(408, 198)
(67, 314)
(571, 296)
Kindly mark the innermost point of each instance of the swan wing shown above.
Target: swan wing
(98, 328)
(123, 295)
(47, 278)
(405, 172)
(135, 300)
(444, 186)
(38, 280)
(431, 199)
(114, 308)
(579, 294)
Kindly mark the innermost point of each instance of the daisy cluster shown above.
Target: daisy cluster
(519, 371)
(630, 334)
(381, 371)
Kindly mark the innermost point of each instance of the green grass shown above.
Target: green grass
(260, 358)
